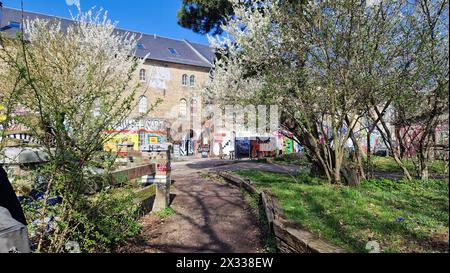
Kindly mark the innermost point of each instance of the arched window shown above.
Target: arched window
(192, 80)
(183, 107)
(142, 75)
(193, 107)
(143, 105)
(184, 80)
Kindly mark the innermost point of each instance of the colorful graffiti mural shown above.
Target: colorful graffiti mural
(288, 146)
(140, 133)
(410, 137)
(286, 143)
(255, 147)
(117, 138)
(242, 149)
(140, 139)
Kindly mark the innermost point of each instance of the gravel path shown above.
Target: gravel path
(211, 217)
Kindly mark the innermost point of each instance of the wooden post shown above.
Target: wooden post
(162, 178)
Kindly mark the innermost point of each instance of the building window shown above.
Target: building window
(143, 140)
(184, 80)
(143, 105)
(173, 51)
(142, 75)
(183, 107)
(192, 81)
(194, 107)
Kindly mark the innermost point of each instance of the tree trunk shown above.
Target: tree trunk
(402, 166)
(424, 174)
(369, 171)
(337, 176)
(426, 140)
(423, 166)
(351, 175)
(388, 141)
(317, 152)
(320, 162)
(359, 156)
(337, 168)
(402, 147)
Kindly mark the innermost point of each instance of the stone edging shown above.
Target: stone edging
(290, 239)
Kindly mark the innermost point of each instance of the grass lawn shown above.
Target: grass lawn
(401, 216)
(388, 164)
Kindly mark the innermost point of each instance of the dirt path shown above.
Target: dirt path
(211, 216)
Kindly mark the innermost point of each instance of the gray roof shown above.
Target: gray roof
(20, 155)
(154, 46)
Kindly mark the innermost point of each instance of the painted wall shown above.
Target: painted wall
(141, 133)
(121, 137)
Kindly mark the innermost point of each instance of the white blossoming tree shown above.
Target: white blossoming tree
(329, 64)
(75, 83)
(418, 94)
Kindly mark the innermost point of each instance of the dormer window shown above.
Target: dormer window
(140, 46)
(173, 51)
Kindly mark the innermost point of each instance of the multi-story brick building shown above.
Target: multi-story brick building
(175, 71)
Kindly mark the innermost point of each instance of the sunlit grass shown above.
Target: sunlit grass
(388, 164)
(165, 213)
(402, 216)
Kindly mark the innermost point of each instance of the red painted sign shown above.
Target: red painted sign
(162, 168)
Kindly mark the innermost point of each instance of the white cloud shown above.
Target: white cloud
(73, 2)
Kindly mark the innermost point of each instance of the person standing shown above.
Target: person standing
(8, 198)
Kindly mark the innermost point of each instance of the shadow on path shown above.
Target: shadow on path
(211, 217)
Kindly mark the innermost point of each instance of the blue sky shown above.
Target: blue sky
(148, 16)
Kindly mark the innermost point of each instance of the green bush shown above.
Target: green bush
(113, 220)
(98, 224)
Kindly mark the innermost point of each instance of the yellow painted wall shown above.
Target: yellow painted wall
(120, 138)
(2, 115)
